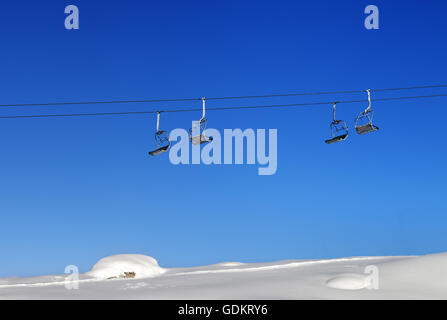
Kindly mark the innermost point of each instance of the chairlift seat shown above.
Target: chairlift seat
(337, 139)
(162, 142)
(159, 150)
(366, 128)
(200, 139)
(339, 131)
(364, 122)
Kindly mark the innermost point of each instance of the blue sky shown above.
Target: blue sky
(74, 190)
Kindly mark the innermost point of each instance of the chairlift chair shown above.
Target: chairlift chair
(339, 129)
(363, 122)
(161, 139)
(200, 126)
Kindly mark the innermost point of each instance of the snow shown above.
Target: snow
(117, 266)
(410, 277)
(348, 282)
(229, 264)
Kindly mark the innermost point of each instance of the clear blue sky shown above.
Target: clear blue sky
(74, 190)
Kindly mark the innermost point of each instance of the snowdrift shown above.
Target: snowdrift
(126, 266)
(348, 282)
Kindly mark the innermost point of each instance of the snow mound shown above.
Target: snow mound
(348, 282)
(126, 266)
(229, 264)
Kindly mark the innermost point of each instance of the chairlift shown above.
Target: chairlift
(161, 139)
(363, 122)
(200, 126)
(339, 129)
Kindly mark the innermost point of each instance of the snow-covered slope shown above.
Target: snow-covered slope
(418, 277)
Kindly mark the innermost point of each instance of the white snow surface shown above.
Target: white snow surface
(410, 277)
